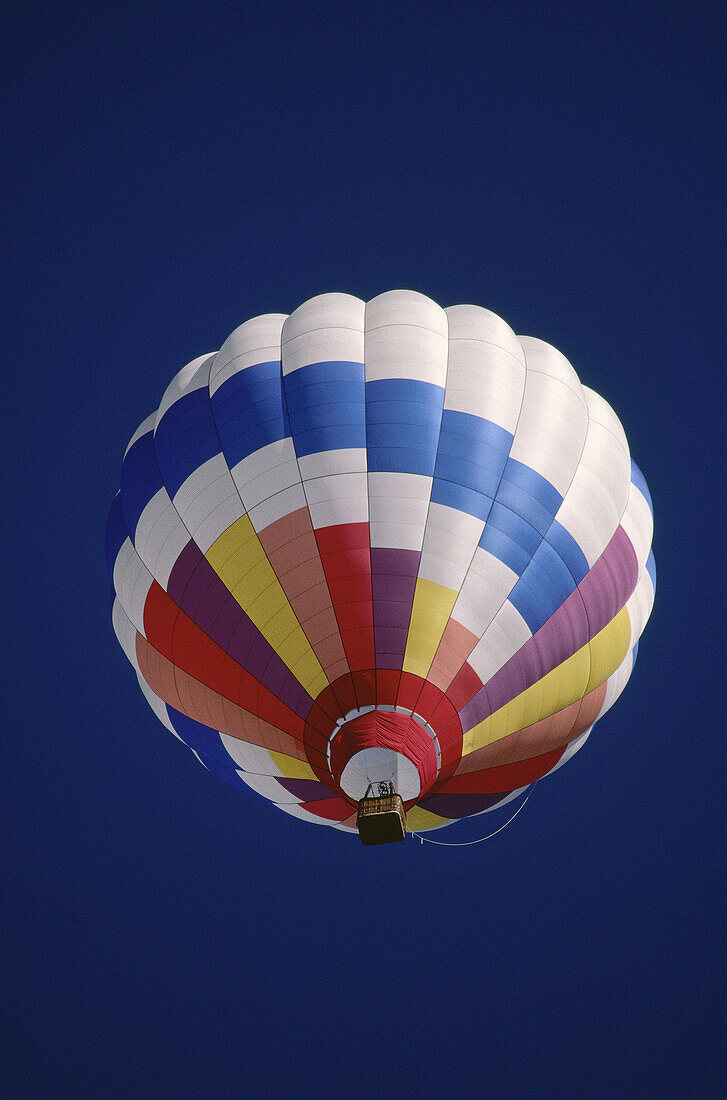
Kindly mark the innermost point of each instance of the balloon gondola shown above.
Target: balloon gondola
(377, 549)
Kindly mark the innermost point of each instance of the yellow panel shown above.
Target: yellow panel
(243, 566)
(277, 628)
(417, 819)
(306, 671)
(292, 768)
(607, 659)
(575, 677)
(433, 605)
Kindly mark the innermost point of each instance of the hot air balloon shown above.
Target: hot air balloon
(381, 562)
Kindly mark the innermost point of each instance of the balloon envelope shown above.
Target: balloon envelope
(383, 542)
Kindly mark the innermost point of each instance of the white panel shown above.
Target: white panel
(208, 501)
(251, 758)
(268, 787)
(601, 412)
(468, 322)
(486, 368)
(507, 633)
(273, 509)
(450, 541)
(406, 337)
(144, 428)
(596, 499)
(485, 589)
(348, 460)
(551, 429)
(398, 505)
(266, 472)
(325, 329)
(589, 514)
(340, 498)
(406, 307)
(194, 376)
(125, 632)
(257, 341)
(160, 536)
(639, 605)
(608, 461)
(638, 523)
(485, 382)
(132, 581)
(547, 360)
(380, 765)
(215, 522)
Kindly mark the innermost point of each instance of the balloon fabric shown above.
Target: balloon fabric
(381, 545)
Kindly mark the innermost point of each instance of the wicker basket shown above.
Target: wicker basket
(381, 820)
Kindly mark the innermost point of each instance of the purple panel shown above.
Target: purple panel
(391, 614)
(590, 607)
(307, 790)
(195, 587)
(393, 580)
(183, 568)
(461, 805)
(390, 638)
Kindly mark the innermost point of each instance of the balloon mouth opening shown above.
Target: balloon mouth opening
(384, 752)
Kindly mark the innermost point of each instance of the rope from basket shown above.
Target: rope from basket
(467, 843)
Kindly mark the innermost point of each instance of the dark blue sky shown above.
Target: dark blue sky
(173, 173)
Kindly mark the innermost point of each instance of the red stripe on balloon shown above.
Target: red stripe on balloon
(199, 702)
(507, 777)
(346, 557)
(332, 809)
(179, 639)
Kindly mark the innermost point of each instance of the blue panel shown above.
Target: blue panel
(333, 377)
(472, 451)
(532, 600)
(140, 480)
(568, 549)
(462, 472)
(521, 528)
(326, 407)
(185, 438)
(524, 477)
(403, 418)
(249, 411)
(651, 568)
(515, 527)
(472, 437)
(461, 498)
(116, 533)
(634, 654)
(543, 587)
(529, 495)
(202, 739)
(640, 482)
(504, 547)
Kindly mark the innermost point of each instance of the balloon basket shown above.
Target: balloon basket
(381, 820)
